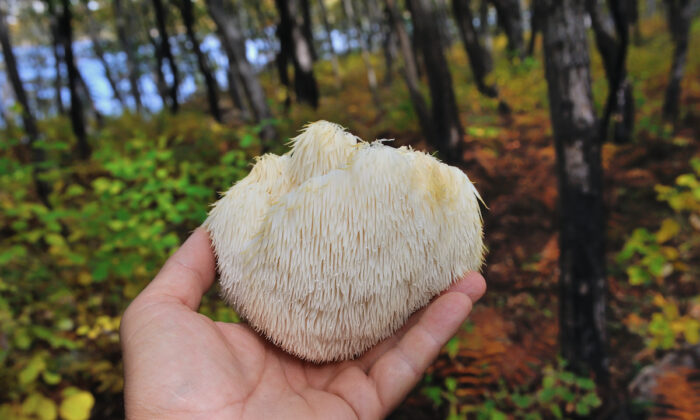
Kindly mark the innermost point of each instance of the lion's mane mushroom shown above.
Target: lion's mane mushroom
(328, 249)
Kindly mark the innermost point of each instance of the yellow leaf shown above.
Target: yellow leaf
(39, 405)
(77, 406)
(659, 300)
(84, 278)
(692, 331)
(669, 228)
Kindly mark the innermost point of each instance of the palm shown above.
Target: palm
(181, 364)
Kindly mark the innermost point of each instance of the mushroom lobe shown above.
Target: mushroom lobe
(329, 248)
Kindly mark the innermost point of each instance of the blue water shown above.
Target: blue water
(36, 65)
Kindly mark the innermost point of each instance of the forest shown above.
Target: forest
(578, 121)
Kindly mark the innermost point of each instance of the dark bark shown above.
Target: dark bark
(76, 106)
(535, 25)
(125, 42)
(161, 83)
(612, 40)
(479, 58)
(447, 128)
(167, 54)
(364, 48)
(679, 17)
(186, 8)
(510, 18)
(57, 55)
(295, 46)
(389, 47)
(234, 46)
(43, 189)
(410, 71)
(93, 33)
(582, 283)
(329, 39)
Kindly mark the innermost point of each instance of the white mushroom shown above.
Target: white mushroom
(328, 249)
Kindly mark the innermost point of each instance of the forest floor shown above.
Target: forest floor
(149, 182)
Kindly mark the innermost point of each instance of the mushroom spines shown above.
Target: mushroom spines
(327, 266)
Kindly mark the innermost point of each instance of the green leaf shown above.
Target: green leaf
(522, 401)
(51, 378)
(554, 408)
(582, 409)
(434, 393)
(30, 372)
(585, 383)
(451, 384)
(77, 406)
(452, 347)
(247, 140)
(567, 377)
(638, 275)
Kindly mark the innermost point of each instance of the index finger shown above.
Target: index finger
(187, 274)
(399, 369)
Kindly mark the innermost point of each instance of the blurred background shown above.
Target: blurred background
(577, 120)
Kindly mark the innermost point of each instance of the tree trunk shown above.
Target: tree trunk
(410, 71)
(447, 128)
(125, 42)
(295, 44)
(329, 38)
(479, 59)
(484, 26)
(371, 74)
(30, 127)
(679, 17)
(93, 33)
(56, 49)
(510, 18)
(167, 54)
(76, 107)
(535, 25)
(234, 46)
(582, 286)
(389, 47)
(186, 8)
(611, 37)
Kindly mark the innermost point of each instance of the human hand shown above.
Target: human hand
(181, 364)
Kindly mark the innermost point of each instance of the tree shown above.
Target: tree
(295, 45)
(43, 189)
(186, 8)
(234, 45)
(76, 106)
(167, 54)
(479, 58)
(510, 18)
(680, 13)
(447, 131)
(329, 37)
(125, 42)
(93, 33)
(582, 286)
(57, 55)
(612, 40)
(364, 48)
(410, 70)
(389, 42)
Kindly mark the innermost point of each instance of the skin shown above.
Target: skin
(181, 364)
